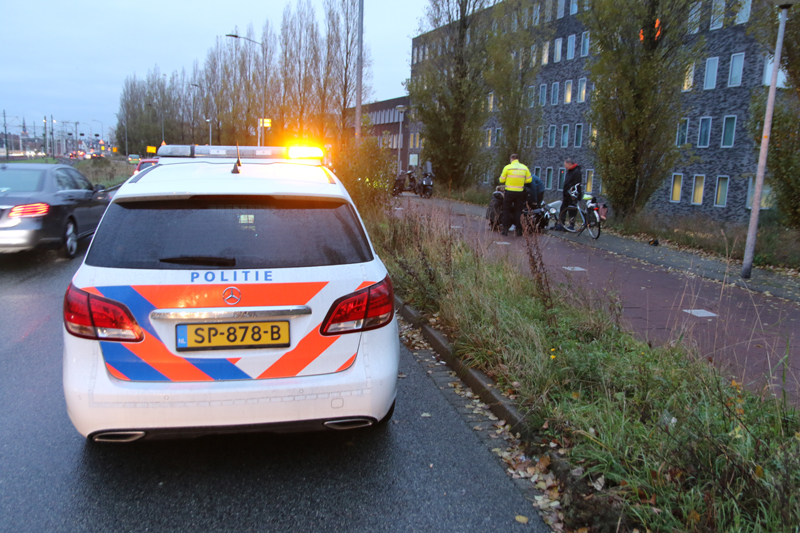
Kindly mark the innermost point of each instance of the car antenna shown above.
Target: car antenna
(238, 160)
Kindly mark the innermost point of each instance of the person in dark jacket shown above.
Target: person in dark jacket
(535, 190)
(572, 178)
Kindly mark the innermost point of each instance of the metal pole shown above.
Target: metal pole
(46, 140)
(755, 208)
(5, 129)
(209, 131)
(359, 67)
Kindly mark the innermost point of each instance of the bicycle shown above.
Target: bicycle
(575, 219)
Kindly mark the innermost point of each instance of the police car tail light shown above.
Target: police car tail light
(92, 317)
(362, 310)
(29, 211)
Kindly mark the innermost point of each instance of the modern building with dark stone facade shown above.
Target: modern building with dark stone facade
(721, 155)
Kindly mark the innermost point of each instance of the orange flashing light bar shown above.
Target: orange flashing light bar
(305, 152)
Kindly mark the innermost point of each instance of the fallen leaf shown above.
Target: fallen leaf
(599, 483)
(478, 428)
(522, 519)
(694, 516)
(426, 415)
(759, 471)
(576, 395)
(545, 425)
(401, 375)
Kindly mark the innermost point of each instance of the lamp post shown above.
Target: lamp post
(400, 110)
(755, 208)
(101, 128)
(264, 84)
(209, 131)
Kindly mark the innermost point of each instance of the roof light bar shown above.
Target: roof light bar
(223, 152)
(305, 152)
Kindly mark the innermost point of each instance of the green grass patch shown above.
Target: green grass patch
(106, 172)
(680, 447)
(776, 244)
(47, 160)
(471, 195)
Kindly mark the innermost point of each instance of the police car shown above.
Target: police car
(229, 289)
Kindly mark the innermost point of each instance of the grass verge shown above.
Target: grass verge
(472, 195)
(106, 172)
(671, 443)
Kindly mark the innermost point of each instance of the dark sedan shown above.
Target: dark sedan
(47, 206)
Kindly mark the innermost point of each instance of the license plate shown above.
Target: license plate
(273, 334)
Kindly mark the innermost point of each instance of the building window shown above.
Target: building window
(675, 193)
(704, 133)
(717, 14)
(728, 131)
(539, 137)
(490, 102)
(565, 136)
(533, 55)
(548, 180)
(537, 171)
(489, 138)
(582, 90)
(688, 80)
(710, 80)
(545, 52)
(573, 7)
(528, 136)
(578, 135)
(560, 13)
(683, 132)
(568, 92)
(766, 194)
(781, 83)
(536, 12)
(543, 94)
(554, 94)
(585, 44)
(571, 47)
(697, 190)
(694, 17)
(548, 10)
(743, 13)
(551, 141)
(721, 194)
(737, 66)
(531, 96)
(557, 50)
(497, 134)
(590, 181)
(562, 175)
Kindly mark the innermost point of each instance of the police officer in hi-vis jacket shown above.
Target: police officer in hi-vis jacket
(515, 175)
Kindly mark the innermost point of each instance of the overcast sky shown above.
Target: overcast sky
(69, 59)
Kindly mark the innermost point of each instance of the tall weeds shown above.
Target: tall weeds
(679, 446)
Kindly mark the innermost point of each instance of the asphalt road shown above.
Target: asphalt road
(416, 474)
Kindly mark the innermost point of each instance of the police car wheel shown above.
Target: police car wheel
(388, 416)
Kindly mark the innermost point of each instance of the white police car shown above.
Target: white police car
(227, 294)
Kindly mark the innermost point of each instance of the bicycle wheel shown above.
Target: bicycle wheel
(593, 223)
(571, 218)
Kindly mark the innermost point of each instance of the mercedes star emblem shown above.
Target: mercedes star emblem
(232, 295)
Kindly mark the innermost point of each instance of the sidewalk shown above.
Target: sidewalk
(668, 296)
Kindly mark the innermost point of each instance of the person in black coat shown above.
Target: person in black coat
(572, 178)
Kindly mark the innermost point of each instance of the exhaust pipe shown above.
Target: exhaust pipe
(118, 436)
(349, 423)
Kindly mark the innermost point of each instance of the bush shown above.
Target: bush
(367, 172)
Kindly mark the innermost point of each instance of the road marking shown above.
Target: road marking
(574, 269)
(700, 313)
(455, 227)
(501, 242)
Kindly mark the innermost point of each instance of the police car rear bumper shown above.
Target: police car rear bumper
(98, 403)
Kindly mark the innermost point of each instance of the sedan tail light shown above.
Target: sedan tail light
(29, 211)
(92, 317)
(369, 308)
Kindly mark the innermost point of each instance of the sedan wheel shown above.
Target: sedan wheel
(70, 246)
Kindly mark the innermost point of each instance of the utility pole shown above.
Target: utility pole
(359, 68)
(5, 129)
(46, 140)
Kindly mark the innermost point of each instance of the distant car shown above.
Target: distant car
(213, 301)
(143, 164)
(134, 159)
(47, 206)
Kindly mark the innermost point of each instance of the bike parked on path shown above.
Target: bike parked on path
(575, 218)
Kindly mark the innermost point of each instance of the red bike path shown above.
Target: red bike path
(749, 328)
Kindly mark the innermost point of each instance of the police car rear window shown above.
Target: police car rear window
(228, 231)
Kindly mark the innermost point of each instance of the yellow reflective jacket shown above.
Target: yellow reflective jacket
(515, 175)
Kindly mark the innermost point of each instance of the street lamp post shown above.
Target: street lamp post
(264, 84)
(755, 207)
(209, 131)
(400, 110)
